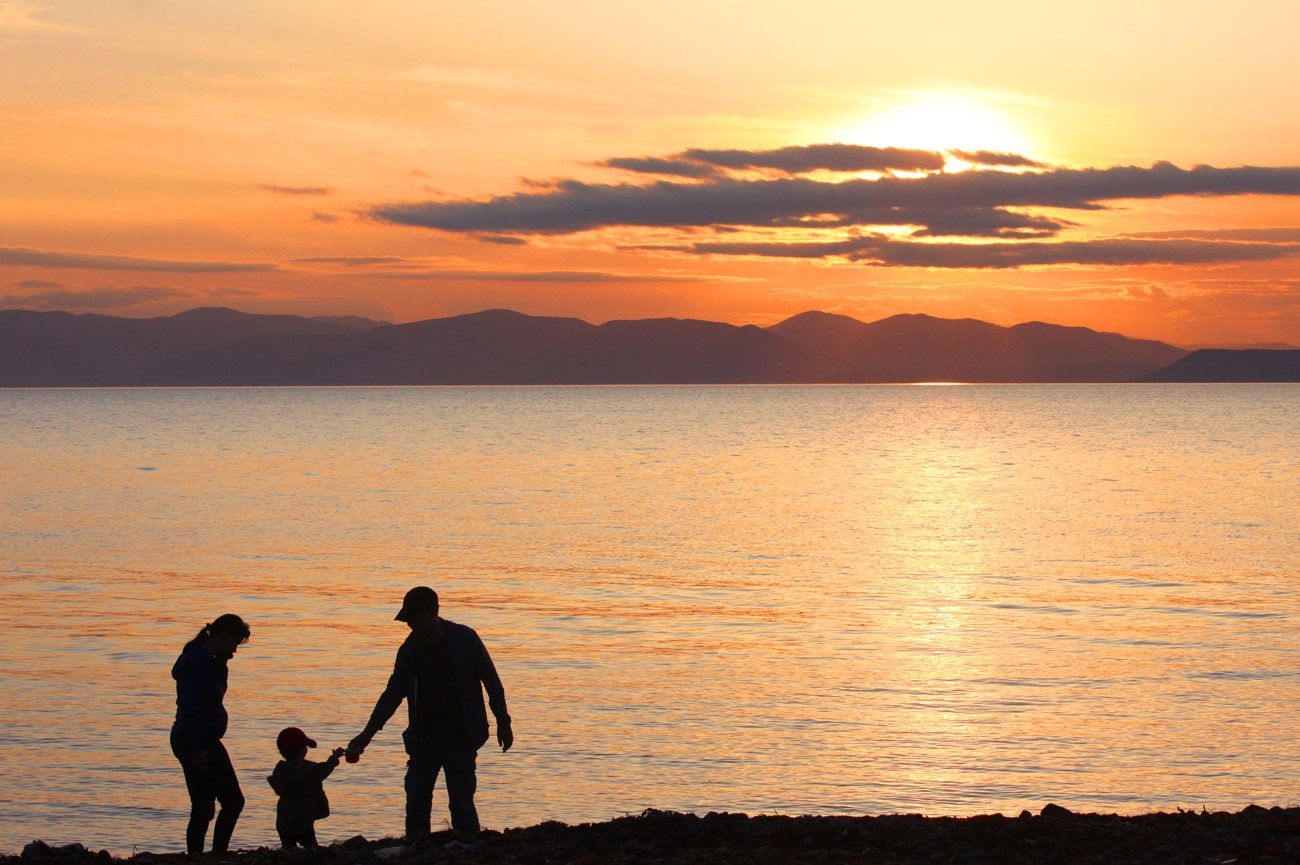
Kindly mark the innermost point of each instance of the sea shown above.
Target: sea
(945, 600)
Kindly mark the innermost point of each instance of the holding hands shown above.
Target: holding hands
(357, 747)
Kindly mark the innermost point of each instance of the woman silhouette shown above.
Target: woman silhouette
(201, 673)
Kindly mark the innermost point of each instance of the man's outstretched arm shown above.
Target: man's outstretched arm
(396, 690)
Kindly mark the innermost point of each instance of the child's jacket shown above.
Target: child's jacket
(299, 785)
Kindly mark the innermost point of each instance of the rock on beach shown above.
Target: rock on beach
(1053, 836)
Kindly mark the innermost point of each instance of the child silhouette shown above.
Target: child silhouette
(299, 784)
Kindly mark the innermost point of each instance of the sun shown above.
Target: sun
(934, 121)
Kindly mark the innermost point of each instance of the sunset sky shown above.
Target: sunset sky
(1126, 166)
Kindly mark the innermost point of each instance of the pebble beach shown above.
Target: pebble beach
(1253, 836)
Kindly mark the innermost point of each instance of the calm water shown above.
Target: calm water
(947, 600)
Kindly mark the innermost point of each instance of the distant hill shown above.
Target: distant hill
(58, 349)
(504, 347)
(224, 347)
(1225, 365)
(1241, 346)
(353, 321)
(923, 348)
(481, 348)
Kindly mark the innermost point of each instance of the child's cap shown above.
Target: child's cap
(291, 739)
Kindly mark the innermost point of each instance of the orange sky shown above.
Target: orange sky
(401, 159)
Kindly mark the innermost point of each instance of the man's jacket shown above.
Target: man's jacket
(473, 671)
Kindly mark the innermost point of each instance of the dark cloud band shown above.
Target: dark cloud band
(1016, 212)
(700, 162)
(660, 165)
(297, 190)
(801, 159)
(92, 298)
(570, 206)
(1001, 255)
(351, 260)
(563, 276)
(21, 257)
(996, 158)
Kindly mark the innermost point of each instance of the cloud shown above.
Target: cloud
(351, 261)
(1153, 293)
(568, 276)
(932, 202)
(1110, 252)
(297, 190)
(232, 292)
(803, 158)
(997, 158)
(326, 217)
(502, 239)
(1261, 235)
(35, 283)
(92, 298)
(972, 222)
(1016, 213)
(21, 257)
(660, 165)
(570, 206)
(699, 162)
(1256, 288)
(932, 222)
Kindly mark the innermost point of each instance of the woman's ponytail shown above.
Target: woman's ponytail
(227, 623)
(203, 634)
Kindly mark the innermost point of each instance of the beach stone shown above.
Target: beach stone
(353, 843)
(39, 851)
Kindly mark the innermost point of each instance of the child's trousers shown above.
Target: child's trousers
(292, 837)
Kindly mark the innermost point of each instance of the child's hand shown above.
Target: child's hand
(339, 752)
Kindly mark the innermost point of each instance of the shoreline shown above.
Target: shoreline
(1252, 836)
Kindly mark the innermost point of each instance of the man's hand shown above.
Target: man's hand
(358, 745)
(505, 736)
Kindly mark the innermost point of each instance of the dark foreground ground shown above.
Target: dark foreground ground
(1255, 835)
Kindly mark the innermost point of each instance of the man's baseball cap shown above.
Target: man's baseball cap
(417, 600)
(291, 739)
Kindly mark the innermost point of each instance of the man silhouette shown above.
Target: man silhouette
(441, 671)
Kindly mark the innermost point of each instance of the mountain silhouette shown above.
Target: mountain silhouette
(1238, 346)
(906, 348)
(1225, 365)
(353, 321)
(502, 347)
(674, 351)
(480, 348)
(222, 347)
(59, 349)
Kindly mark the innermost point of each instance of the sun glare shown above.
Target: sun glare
(939, 122)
